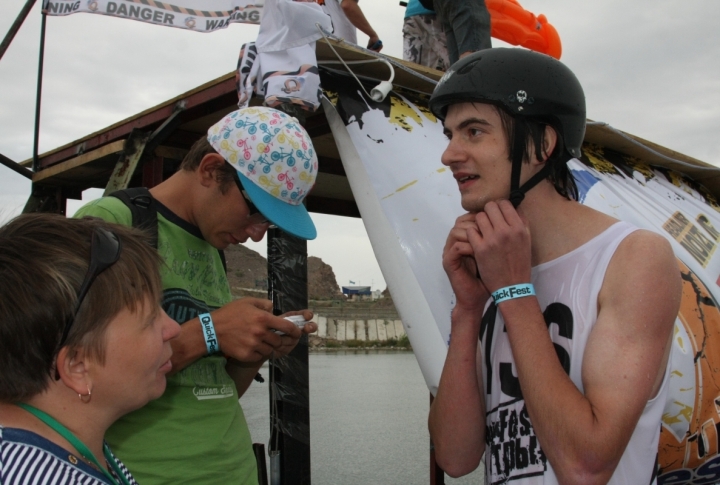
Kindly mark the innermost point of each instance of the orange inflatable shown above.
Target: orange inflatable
(513, 24)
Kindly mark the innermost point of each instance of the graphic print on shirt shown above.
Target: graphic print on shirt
(181, 307)
(513, 451)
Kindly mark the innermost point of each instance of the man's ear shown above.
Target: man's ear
(207, 169)
(73, 366)
(549, 141)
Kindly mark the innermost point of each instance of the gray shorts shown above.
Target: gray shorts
(466, 24)
(424, 42)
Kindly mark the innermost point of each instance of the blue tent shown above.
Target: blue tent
(356, 290)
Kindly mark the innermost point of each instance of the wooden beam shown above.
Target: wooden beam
(331, 165)
(198, 102)
(335, 207)
(115, 147)
(171, 152)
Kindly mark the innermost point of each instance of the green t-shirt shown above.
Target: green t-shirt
(196, 431)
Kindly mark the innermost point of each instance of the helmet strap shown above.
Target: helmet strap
(518, 150)
(517, 193)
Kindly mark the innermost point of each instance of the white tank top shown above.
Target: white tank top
(567, 289)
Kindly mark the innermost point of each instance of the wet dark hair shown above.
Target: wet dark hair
(534, 132)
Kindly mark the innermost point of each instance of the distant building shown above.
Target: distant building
(357, 292)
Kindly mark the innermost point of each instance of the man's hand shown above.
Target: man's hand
(375, 44)
(245, 330)
(242, 372)
(500, 241)
(288, 342)
(460, 266)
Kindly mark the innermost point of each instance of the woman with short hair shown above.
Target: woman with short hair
(83, 341)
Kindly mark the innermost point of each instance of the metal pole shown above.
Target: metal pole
(36, 162)
(289, 376)
(15, 166)
(15, 27)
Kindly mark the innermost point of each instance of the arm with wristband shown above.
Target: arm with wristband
(477, 272)
(624, 358)
(243, 330)
(457, 414)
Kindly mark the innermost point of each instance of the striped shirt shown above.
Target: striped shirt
(28, 458)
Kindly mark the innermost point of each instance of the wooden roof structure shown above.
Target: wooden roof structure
(155, 140)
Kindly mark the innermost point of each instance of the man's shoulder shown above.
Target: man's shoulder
(642, 247)
(643, 270)
(110, 209)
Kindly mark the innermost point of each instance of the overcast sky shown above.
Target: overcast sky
(650, 68)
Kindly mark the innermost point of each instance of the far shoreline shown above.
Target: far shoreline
(319, 344)
(358, 349)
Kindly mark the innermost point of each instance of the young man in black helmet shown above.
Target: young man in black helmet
(558, 358)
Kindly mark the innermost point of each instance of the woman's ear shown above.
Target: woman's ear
(207, 169)
(73, 367)
(549, 141)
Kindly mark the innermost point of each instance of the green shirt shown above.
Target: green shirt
(196, 431)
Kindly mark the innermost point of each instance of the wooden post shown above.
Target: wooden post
(152, 172)
(437, 475)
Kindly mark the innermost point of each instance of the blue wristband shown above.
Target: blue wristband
(512, 292)
(208, 330)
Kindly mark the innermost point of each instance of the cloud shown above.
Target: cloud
(648, 68)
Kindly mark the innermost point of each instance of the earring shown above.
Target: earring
(88, 395)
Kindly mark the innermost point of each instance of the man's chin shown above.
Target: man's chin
(472, 206)
(220, 244)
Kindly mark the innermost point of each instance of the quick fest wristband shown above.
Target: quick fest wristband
(512, 292)
(208, 329)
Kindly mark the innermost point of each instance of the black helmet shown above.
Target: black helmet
(526, 84)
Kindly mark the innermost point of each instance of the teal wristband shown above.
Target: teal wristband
(208, 330)
(512, 292)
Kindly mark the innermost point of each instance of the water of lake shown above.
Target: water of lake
(368, 419)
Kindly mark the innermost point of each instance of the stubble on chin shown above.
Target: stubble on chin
(473, 205)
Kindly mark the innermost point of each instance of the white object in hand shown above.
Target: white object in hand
(298, 320)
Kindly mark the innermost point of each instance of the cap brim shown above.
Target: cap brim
(293, 219)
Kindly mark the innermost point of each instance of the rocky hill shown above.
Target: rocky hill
(246, 269)
(322, 283)
(247, 273)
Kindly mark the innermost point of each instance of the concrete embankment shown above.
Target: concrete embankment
(371, 329)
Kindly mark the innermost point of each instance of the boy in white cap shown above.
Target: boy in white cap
(253, 169)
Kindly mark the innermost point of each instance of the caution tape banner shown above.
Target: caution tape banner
(197, 15)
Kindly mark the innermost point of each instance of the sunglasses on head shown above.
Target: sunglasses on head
(251, 207)
(105, 250)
